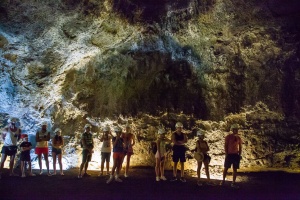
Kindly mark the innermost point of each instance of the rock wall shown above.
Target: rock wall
(205, 63)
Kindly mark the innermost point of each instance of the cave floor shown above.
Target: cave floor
(142, 185)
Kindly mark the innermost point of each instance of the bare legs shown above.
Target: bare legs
(181, 169)
(127, 164)
(47, 163)
(59, 157)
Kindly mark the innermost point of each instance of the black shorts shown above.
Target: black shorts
(9, 150)
(56, 150)
(105, 156)
(25, 156)
(232, 159)
(179, 153)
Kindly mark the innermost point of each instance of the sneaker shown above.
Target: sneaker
(222, 183)
(31, 174)
(199, 183)
(101, 174)
(157, 178)
(173, 179)
(49, 174)
(163, 178)
(182, 179)
(126, 175)
(79, 176)
(41, 172)
(233, 185)
(111, 178)
(118, 180)
(86, 174)
(23, 176)
(62, 174)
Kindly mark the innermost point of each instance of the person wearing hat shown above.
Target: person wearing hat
(202, 156)
(42, 137)
(25, 155)
(129, 141)
(88, 146)
(233, 151)
(179, 140)
(57, 143)
(160, 154)
(105, 149)
(10, 135)
(118, 155)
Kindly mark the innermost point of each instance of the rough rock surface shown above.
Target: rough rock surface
(205, 63)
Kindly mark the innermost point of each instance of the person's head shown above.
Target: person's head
(44, 125)
(161, 133)
(117, 130)
(200, 134)
(234, 128)
(24, 137)
(106, 130)
(87, 128)
(178, 126)
(57, 131)
(13, 121)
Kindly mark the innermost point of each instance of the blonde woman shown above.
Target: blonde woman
(57, 143)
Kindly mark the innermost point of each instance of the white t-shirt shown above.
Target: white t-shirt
(10, 139)
(106, 145)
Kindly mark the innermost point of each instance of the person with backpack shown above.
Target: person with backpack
(179, 140)
(160, 155)
(202, 156)
(88, 146)
(10, 135)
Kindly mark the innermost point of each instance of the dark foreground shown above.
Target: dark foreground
(142, 185)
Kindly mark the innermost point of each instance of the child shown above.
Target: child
(25, 155)
(57, 143)
(160, 155)
(202, 148)
(105, 149)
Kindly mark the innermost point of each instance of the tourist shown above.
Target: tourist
(88, 146)
(179, 140)
(105, 149)
(118, 155)
(25, 155)
(201, 150)
(160, 155)
(10, 135)
(129, 141)
(233, 151)
(42, 137)
(57, 143)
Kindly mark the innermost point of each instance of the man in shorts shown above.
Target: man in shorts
(10, 135)
(87, 145)
(179, 139)
(233, 151)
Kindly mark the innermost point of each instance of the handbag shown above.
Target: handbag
(199, 156)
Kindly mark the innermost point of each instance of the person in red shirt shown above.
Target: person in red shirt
(233, 151)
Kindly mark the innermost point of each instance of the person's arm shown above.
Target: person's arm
(37, 137)
(207, 147)
(240, 146)
(226, 145)
(62, 141)
(133, 140)
(102, 138)
(4, 132)
(19, 135)
(173, 138)
(48, 137)
(184, 138)
(158, 147)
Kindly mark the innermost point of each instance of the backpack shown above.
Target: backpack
(153, 147)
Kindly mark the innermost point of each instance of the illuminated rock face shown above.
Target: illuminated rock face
(160, 62)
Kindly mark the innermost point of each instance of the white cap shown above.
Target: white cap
(234, 126)
(179, 125)
(106, 128)
(87, 126)
(200, 133)
(13, 119)
(44, 123)
(57, 130)
(117, 129)
(161, 131)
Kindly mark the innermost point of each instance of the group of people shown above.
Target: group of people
(121, 145)
(12, 134)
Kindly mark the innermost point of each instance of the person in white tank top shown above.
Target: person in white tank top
(10, 135)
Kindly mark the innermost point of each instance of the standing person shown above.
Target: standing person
(118, 156)
(42, 137)
(233, 152)
(129, 142)
(57, 143)
(160, 155)
(202, 148)
(105, 149)
(25, 155)
(10, 135)
(88, 146)
(179, 139)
